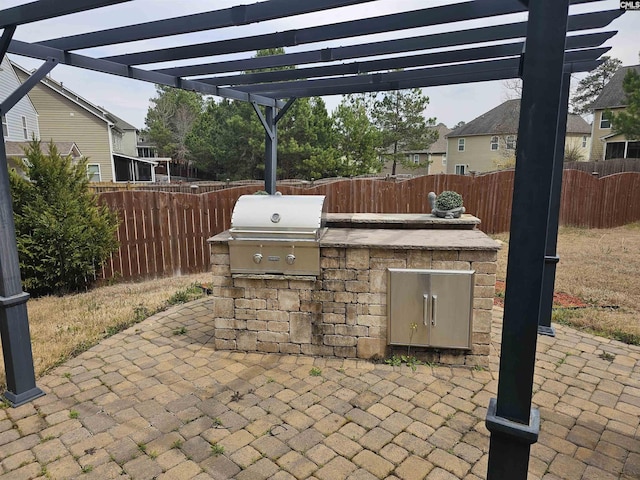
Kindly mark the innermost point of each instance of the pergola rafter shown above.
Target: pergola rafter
(477, 54)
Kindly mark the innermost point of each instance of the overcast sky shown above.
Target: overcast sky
(129, 99)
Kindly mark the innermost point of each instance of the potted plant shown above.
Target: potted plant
(448, 205)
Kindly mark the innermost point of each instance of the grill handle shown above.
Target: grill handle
(275, 232)
(425, 309)
(434, 309)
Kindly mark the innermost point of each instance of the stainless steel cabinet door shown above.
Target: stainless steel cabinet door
(430, 308)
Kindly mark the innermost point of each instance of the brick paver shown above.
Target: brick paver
(145, 404)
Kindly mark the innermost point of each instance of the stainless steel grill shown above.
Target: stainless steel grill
(277, 234)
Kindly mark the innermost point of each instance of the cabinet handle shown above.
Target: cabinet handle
(425, 309)
(434, 309)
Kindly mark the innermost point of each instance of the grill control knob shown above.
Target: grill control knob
(291, 258)
(257, 258)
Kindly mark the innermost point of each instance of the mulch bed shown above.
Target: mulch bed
(560, 299)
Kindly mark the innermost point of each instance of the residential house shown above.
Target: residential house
(148, 149)
(20, 124)
(429, 161)
(605, 144)
(489, 141)
(109, 143)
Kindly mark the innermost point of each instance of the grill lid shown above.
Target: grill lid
(278, 216)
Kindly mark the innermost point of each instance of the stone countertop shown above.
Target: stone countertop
(400, 220)
(397, 239)
(425, 239)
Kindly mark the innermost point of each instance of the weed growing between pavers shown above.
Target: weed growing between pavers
(610, 357)
(409, 360)
(217, 449)
(315, 372)
(180, 331)
(192, 292)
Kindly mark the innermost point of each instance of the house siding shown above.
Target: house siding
(24, 108)
(480, 158)
(477, 154)
(62, 120)
(597, 144)
(130, 143)
(574, 140)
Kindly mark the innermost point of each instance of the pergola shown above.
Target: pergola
(543, 51)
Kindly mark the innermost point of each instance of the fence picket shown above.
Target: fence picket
(164, 234)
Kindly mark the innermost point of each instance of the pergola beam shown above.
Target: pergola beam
(5, 39)
(227, 17)
(506, 72)
(45, 9)
(9, 102)
(410, 61)
(105, 66)
(471, 10)
(420, 77)
(494, 33)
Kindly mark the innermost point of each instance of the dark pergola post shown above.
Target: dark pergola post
(270, 123)
(268, 120)
(551, 258)
(270, 150)
(513, 424)
(14, 322)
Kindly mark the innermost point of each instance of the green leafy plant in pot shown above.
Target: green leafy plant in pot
(448, 205)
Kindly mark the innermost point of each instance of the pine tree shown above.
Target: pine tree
(590, 87)
(399, 116)
(627, 122)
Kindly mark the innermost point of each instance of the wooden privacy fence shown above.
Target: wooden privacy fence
(165, 234)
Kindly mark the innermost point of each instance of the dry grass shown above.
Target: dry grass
(601, 267)
(64, 326)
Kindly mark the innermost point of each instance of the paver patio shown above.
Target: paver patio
(157, 401)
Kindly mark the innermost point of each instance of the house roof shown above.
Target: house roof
(504, 118)
(83, 102)
(137, 159)
(16, 149)
(440, 145)
(612, 94)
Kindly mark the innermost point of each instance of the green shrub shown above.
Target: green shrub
(448, 200)
(63, 235)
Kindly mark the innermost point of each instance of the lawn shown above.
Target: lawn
(600, 268)
(597, 267)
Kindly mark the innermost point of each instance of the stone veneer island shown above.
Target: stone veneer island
(343, 311)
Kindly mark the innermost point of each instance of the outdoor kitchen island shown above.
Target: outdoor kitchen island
(349, 309)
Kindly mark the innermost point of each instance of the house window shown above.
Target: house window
(5, 126)
(494, 143)
(584, 141)
(93, 172)
(511, 142)
(416, 158)
(605, 120)
(461, 144)
(25, 130)
(461, 169)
